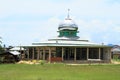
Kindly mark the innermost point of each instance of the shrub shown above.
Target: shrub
(42, 62)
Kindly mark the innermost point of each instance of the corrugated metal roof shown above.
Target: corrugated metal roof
(63, 42)
(15, 52)
(67, 42)
(16, 49)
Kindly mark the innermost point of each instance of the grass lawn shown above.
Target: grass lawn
(59, 72)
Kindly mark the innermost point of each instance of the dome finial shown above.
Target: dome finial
(68, 16)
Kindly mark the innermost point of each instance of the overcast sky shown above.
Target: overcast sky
(27, 21)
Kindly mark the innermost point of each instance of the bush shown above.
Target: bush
(42, 62)
(1, 50)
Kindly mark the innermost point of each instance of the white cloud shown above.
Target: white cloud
(26, 21)
(117, 29)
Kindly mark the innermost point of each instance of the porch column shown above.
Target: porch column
(62, 54)
(33, 53)
(99, 53)
(87, 53)
(23, 55)
(28, 53)
(49, 54)
(20, 53)
(109, 55)
(38, 53)
(75, 55)
(43, 53)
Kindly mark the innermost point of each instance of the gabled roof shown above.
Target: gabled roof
(115, 48)
(15, 52)
(16, 49)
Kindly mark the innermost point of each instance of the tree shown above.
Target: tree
(0, 40)
(1, 48)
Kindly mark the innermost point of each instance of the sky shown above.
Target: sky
(23, 22)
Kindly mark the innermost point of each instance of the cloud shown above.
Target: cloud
(29, 31)
(27, 21)
(117, 29)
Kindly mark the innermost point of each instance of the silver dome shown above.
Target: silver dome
(68, 24)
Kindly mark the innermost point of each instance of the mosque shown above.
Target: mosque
(68, 47)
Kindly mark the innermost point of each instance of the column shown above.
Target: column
(99, 54)
(109, 55)
(33, 53)
(49, 54)
(75, 55)
(38, 53)
(24, 52)
(62, 54)
(87, 53)
(43, 53)
(105, 54)
(28, 53)
(20, 53)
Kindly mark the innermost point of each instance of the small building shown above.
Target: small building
(68, 47)
(8, 57)
(19, 51)
(115, 52)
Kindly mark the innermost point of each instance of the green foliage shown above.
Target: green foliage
(59, 72)
(42, 62)
(0, 41)
(116, 57)
(1, 49)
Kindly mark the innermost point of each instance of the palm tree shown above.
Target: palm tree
(1, 48)
(0, 40)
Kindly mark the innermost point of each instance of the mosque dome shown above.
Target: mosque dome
(68, 24)
(68, 28)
